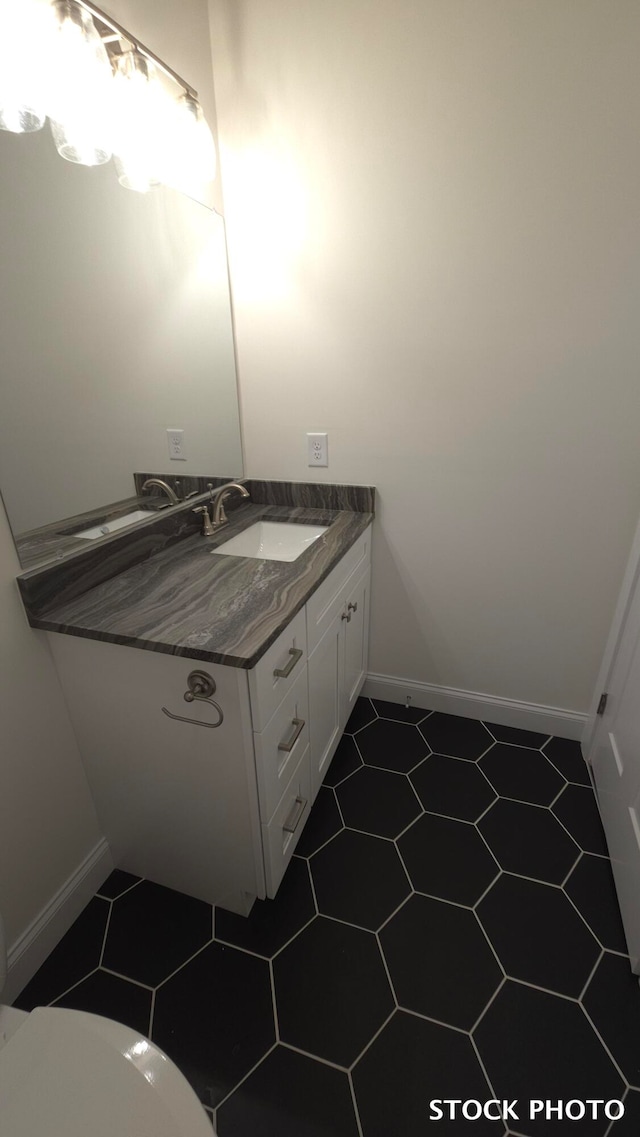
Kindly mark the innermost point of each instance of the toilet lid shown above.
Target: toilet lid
(68, 1074)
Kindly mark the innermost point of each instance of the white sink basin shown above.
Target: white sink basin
(272, 541)
(112, 526)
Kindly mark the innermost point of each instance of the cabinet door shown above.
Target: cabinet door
(356, 643)
(326, 671)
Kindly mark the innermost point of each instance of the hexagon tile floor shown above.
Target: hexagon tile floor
(448, 928)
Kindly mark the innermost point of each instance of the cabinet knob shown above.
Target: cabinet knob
(352, 607)
(347, 616)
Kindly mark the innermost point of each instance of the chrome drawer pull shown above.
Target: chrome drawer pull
(353, 607)
(201, 686)
(295, 817)
(299, 724)
(296, 653)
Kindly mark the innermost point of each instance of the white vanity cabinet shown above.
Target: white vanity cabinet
(214, 810)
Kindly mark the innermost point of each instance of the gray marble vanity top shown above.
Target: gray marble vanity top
(188, 600)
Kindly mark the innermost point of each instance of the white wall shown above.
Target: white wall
(433, 223)
(47, 821)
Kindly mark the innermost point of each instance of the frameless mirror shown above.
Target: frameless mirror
(115, 324)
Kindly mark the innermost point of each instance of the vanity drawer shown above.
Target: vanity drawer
(325, 603)
(281, 835)
(279, 746)
(288, 654)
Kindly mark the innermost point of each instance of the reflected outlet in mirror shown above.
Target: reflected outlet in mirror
(272, 541)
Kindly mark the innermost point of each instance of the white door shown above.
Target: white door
(614, 753)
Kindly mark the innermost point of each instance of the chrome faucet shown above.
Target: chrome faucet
(173, 497)
(218, 498)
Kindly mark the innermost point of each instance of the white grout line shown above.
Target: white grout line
(431, 1019)
(152, 1012)
(104, 938)
(483, 1012)
(185, 962)
(488, 939)
(245, 1076)
(314, 1057)
(591, 974)
(603, 1043)
(272, 982)
(354, 1100)
(73, 986)
(372, 1039)
(124, 892)
(127, 978)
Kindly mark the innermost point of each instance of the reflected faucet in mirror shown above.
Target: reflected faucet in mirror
(165, 487)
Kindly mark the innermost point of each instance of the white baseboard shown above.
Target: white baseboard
(38, 940)
(473, 705)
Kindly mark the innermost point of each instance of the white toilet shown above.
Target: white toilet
(68, 1074)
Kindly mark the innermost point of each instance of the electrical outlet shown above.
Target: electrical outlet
(317, 453)
(175, 442)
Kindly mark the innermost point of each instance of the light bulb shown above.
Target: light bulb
(27, 28)
(139, 121)
(190, 160)
(81, 93)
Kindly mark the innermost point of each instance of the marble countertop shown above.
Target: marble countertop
(189, 600)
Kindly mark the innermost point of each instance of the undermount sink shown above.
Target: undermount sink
(108, 527)
(272, 541)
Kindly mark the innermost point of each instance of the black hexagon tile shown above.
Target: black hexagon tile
(447, 859)
(361, 714)
(345, 760)
(271, 923)
(452, 787)
(593, 892)
(456, 736)
(542, 1046)
(440, 962)
(566, 756)
(332, 991)
(576, 807)
(398, 712)
(392, 745)
(153, 930)
(323, 823)
(529, 841)
(104, 994)
(612, 1001)
(292, 1096)
(77, 954)
(521, 773)
(359, 879)
(214, 1018)
(378, 801)
(411, 1063)
(538, 935)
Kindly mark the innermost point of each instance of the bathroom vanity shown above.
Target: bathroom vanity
(209, 693)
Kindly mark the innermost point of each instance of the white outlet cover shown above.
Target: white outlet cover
(176, 445)
(317, 449)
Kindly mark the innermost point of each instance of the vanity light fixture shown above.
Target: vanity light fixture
(104, 93)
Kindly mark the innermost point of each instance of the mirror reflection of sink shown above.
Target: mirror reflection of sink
(272, 541)
(112, 526)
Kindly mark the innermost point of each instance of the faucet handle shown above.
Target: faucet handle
(207, 527)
